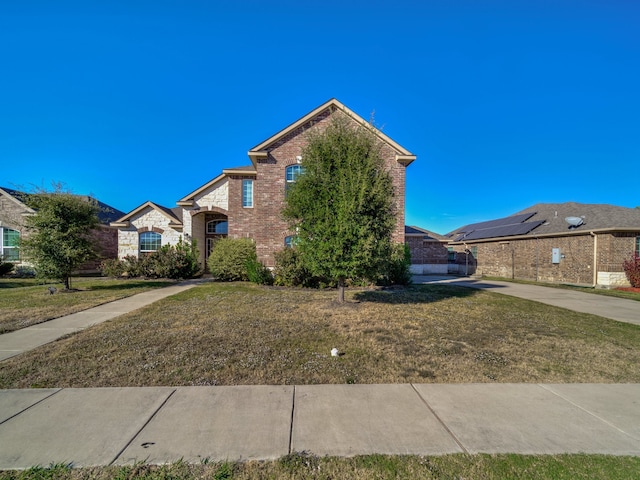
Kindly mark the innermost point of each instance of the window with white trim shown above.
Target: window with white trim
(9, 244)
(247, 193)
(150, 242)
(292, 173)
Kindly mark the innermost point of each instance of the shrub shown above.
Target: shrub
(5, 267)
(397, 270)
(290, 270)
(258, 273)
(175, 261)
(171, 261)
(228, 259)
(632, 270)
(112, 267)
(22, 271)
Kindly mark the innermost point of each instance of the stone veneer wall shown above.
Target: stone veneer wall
(149, 220)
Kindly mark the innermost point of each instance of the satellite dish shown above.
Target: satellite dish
(574, 222)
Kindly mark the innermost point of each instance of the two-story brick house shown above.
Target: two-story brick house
(246, 202)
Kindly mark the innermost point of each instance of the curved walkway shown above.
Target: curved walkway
(105, 426)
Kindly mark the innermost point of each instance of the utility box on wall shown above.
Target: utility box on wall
(555, 255)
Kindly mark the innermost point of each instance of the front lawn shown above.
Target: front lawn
(25, 302)
(243, 334)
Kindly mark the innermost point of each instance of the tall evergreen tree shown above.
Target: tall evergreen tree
(342, 206)
(59, 233)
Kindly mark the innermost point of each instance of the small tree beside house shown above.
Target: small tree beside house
(59, 233)
(341, 206)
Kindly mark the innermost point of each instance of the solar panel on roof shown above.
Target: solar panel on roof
(502, 231)
(514, 219)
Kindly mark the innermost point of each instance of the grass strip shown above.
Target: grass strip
(305, 466)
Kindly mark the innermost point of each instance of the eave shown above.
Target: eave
(261, 151)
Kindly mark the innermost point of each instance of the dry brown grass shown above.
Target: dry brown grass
(242, 334)
(25, 303)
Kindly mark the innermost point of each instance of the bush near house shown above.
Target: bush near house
(632, 270)
(229, 259)
(290, 270)
(5, 267)
(171, 261)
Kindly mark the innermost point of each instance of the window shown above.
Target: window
(247, 193)
(9, 245)
(289, 241)
(292, 173)
(637, 245)
(217, 227)
(150, 242)
(451, 255)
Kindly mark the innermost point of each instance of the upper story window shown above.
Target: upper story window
(247, 193)
(150, 242)
(292, 173)
(217, 227)
(288, 241)
(9, 249)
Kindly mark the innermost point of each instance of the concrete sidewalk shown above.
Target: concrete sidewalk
(105, 426)
(14, 343)
(620, 309)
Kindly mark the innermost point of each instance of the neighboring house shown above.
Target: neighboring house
(575, 243)
(429, 251)
(13, 211)
(246, 202)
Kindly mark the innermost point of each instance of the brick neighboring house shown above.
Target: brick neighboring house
(429, 251)
(13, 211)
(574, 243)
(245, 202)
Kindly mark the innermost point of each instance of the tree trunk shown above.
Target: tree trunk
(67, 283)
(341, 290)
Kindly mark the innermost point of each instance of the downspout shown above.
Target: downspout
(595, 259)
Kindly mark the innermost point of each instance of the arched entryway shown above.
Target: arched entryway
(216, 227)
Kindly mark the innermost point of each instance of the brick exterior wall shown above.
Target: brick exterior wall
(264, 223)
(531, 258)
(427, 256)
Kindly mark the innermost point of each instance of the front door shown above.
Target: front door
(215, 230)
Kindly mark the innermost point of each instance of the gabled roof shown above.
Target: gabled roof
(106, 215)
(261, 150)
(188, 200)
(553, 219)
(172, 214)
(16, 196)
(413, 231)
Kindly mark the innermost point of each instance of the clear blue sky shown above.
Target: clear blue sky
(505, 103)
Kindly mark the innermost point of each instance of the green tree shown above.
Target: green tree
(342, 206)
(59, 233)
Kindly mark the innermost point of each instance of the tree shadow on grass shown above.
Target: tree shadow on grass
(415, 294)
